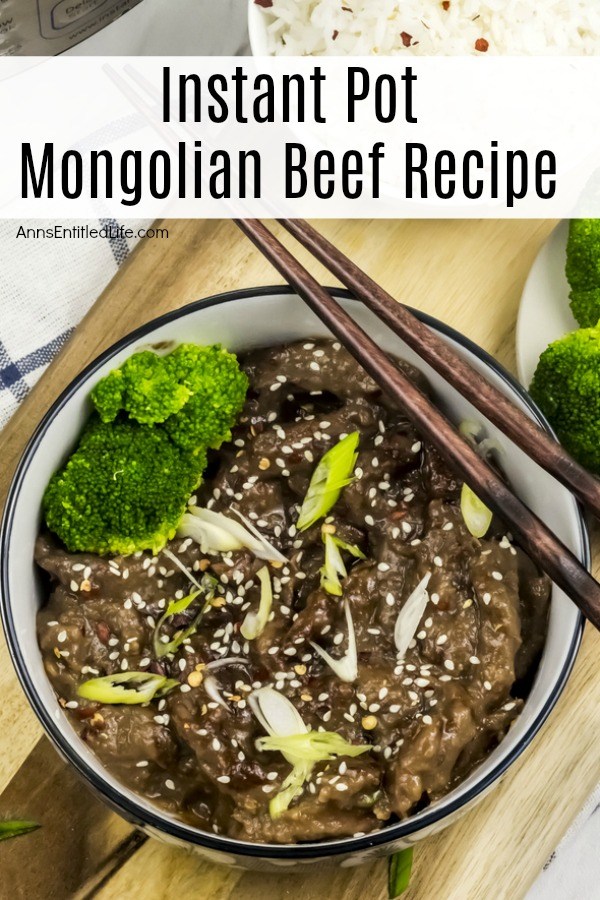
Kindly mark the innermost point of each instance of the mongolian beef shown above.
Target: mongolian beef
(349, 664)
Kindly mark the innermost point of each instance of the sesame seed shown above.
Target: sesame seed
(448, 664)
(437, 561)
(224, 779)
(497, 576)
(427, 720)
(383, 567)
(170, 784)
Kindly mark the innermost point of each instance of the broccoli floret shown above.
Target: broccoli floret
(143, 453)
(583, 270)
(218, 388)
(124, 489)
(566, 386)
(585, 306)
(145, 387)
(107, 396)
(197, 391)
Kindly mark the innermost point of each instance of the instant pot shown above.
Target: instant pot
(48, 27)
(123, 27)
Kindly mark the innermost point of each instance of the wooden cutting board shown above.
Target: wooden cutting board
(469, 274)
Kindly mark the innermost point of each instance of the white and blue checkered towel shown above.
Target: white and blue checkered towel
(46, 287)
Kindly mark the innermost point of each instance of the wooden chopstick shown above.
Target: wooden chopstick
(522, 430)
(535, 537)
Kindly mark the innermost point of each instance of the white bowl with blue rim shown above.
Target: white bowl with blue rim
(241, 320)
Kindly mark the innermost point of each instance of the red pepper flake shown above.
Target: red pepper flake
(406, 38)
(446, 4)
(266, 4)
(334, 35)
(481, 45)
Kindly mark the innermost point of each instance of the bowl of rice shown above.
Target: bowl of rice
(424, 27)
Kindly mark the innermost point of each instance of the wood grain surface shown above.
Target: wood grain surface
(469, 274)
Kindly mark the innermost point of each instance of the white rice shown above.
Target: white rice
(385, 27)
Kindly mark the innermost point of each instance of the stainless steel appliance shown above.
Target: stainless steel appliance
(48, 27)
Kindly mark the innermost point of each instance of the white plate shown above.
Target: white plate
(544, 313)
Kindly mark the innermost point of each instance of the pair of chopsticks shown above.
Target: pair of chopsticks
(542, 545)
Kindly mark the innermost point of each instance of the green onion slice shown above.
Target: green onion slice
(207, 586)
(477, 516)
(409, 617)
(15, 828)
(280, 718)
(217, 533)
(291, 787)
(346, 668)
(351, 548)
(334, 566)
(399, 870)
(277, 715)
(254, 623)
(124, 687)
(314, 746)
(289, 735)
(332, 474)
